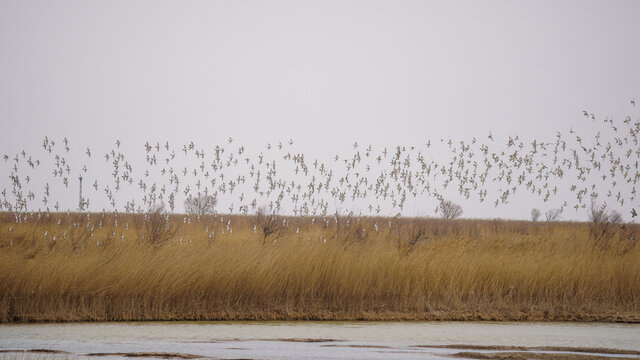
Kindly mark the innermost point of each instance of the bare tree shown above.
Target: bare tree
(553, 214)
(603, 223)
(267, 224)
(598, 214)
(200, 205)
(449, 210)
(535, 214)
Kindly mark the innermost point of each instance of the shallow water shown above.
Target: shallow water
(309, 340)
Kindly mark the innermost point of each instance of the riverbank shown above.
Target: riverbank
(319, 340)
(349, 269)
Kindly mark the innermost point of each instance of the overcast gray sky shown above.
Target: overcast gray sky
(324, 73)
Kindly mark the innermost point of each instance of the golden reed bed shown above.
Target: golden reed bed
(407, 269)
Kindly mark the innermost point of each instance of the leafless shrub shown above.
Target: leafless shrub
(535, 214)
(267, 224)
(553, 214)
(604, 224)
(157, 229)
(449, 210)
(200, 205)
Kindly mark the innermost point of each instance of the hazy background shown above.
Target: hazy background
(324, 73)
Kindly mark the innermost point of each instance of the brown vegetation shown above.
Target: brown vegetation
(535, 356)
(337, 268)
(589, 350)
(157, 355)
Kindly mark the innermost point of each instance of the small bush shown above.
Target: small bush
(267, 224)
(157, 229)
(604, 224)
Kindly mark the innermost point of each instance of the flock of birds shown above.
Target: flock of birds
(578, 170)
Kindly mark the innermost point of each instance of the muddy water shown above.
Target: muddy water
(316, 340)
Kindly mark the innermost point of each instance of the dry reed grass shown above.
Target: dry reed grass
(409, 269)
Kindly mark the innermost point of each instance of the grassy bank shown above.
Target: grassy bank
(241, 267)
